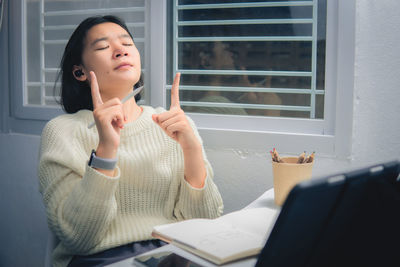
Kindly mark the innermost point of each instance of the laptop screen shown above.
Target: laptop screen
(346, 219)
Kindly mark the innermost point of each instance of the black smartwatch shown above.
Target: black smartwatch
(101, 163)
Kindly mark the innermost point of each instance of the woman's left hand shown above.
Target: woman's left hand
(174, 121)
(176, 125)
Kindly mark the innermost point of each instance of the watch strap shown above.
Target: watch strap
(101, 163)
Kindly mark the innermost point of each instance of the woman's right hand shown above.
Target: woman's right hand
(109, 118)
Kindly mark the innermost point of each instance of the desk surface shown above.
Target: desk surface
(265, 200)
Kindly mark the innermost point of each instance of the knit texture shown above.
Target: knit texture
(90, 212)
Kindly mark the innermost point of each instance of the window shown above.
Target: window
(261, 71)
(255, 58)
(258, 60)
(48, 26)
(265, 70)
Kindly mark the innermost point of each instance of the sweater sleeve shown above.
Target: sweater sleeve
(205, 202)
(80, 201)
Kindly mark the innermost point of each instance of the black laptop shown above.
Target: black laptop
(349, 219)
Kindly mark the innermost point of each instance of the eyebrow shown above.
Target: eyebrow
(106, 38)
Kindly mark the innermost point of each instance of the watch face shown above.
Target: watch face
(91, 157)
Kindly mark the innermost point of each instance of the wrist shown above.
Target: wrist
(106, 152)
(197, 182)
(191, 145)
(97, 162)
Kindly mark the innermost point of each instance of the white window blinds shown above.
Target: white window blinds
(257, 58)
(48, 26)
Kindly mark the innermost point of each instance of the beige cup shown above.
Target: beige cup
(287, 175)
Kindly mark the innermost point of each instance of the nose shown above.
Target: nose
(119, 53)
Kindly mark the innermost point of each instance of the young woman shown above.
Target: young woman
(105, 187)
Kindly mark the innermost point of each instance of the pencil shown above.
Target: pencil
(301, 158)
(277, 157)
(310, 158)
(126, 98)
(272, 155)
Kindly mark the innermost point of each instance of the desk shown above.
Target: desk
(265, 200)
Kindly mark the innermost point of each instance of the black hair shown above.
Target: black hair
(76, 95)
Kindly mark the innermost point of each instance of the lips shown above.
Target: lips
(123, 65)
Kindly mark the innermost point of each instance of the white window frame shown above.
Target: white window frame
(20, 107)
(227, 131)
(290, 135)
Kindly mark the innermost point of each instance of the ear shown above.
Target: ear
(79, 73)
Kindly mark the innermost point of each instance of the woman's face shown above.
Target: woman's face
(110, 52)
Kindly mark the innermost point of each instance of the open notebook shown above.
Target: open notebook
(230, 237)
(348, 219)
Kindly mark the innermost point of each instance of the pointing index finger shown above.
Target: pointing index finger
(175, 91)
(96, 97)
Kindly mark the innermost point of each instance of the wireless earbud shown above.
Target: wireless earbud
(78, 73)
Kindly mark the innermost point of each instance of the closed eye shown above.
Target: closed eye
(128, 44)
(102, 48)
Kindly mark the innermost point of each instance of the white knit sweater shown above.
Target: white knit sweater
(90, 212)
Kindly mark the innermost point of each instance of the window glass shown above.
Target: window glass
(256, 58)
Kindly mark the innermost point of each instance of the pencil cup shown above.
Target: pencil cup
(286, 175)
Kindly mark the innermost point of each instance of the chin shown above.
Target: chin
(127, 78)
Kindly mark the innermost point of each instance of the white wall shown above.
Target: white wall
(240, 175)
(377, 81)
